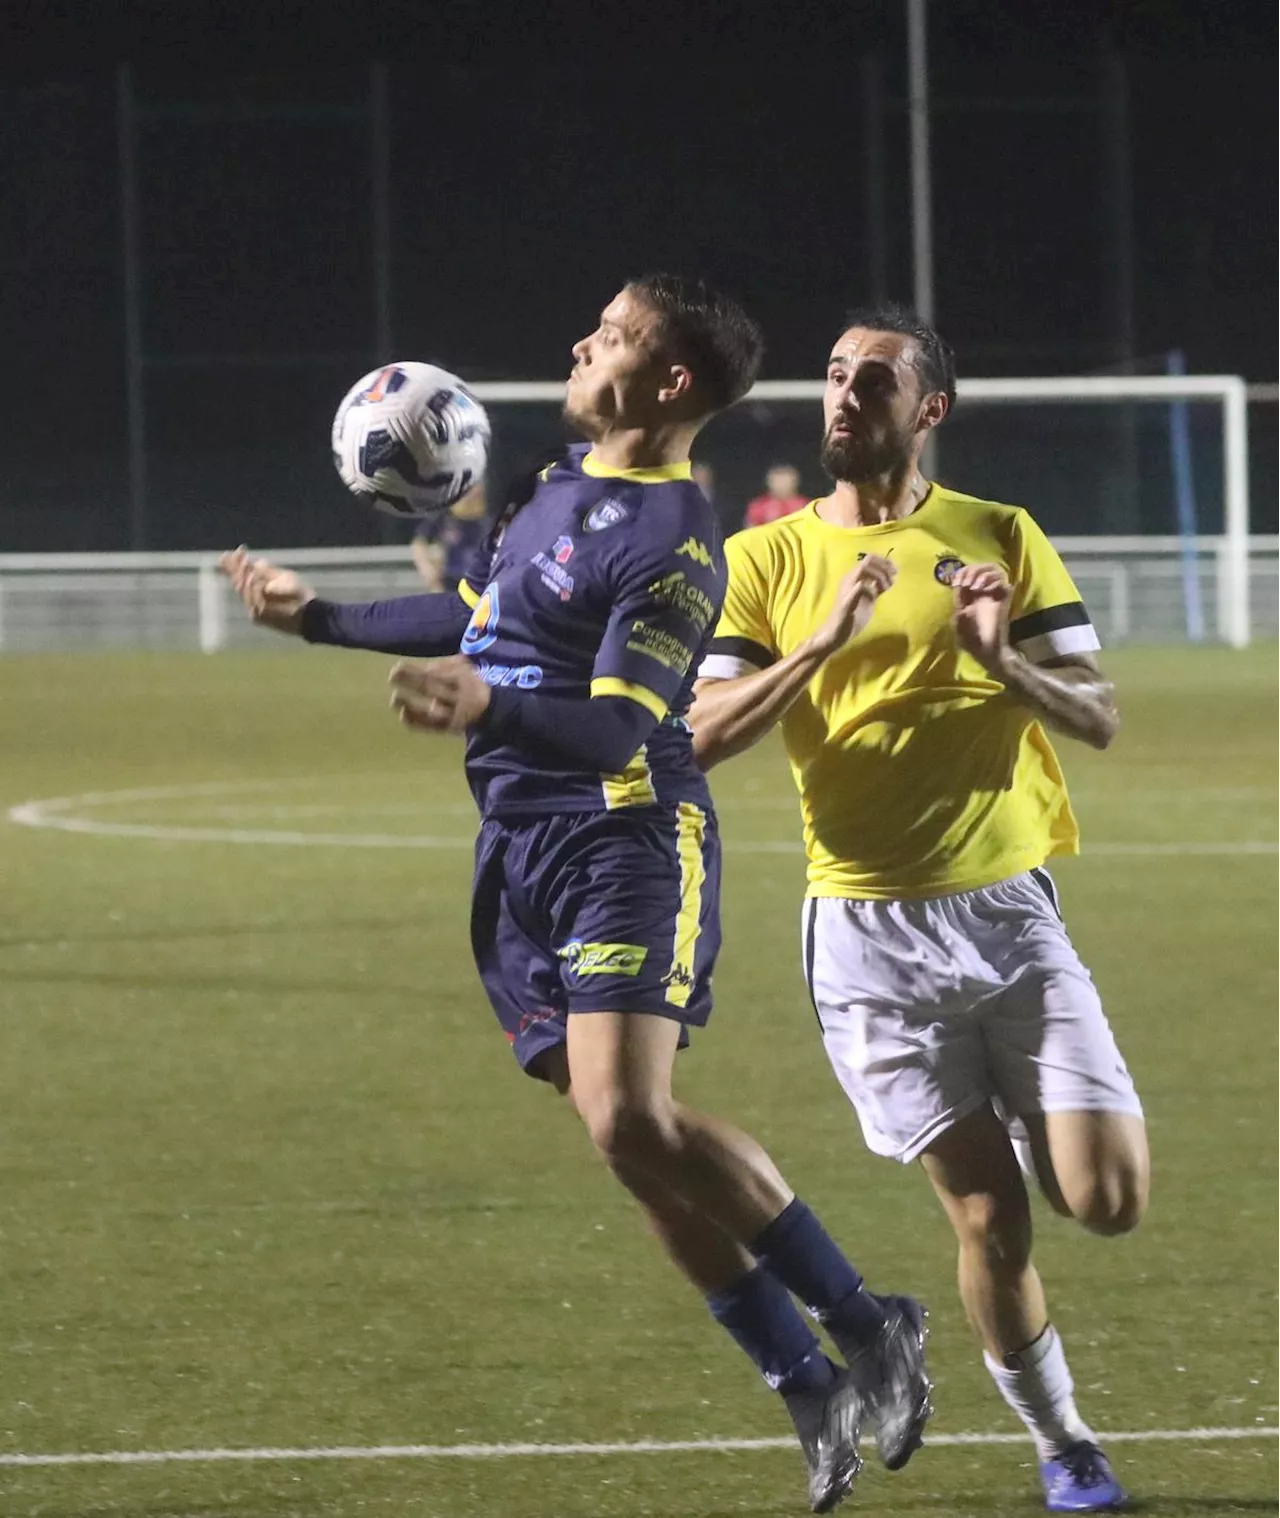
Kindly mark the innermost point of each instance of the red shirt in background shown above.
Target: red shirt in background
(768, 508)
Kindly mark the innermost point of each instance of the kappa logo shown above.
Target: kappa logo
(691, 548)
(604, 958)
(947, 568)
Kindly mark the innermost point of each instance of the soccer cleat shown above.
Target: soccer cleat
(894, 1382)
(827, 1425)
(1080, 1480)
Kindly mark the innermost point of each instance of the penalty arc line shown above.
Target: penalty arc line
(55, 812)
(633, 1447)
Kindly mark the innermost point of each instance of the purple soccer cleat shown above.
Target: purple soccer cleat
(1080, 1480)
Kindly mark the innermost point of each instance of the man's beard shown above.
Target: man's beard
(854, 460)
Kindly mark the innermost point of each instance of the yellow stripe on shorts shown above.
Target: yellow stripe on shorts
(691, 826)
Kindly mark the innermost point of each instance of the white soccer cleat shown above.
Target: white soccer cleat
(827, 1423)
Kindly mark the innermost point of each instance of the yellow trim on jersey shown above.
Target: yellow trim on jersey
(471, 597)
(691, 826)
(919, 775)
(658, 476)
(633, 787)
(607, 685)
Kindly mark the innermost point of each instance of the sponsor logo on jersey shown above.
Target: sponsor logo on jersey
(658, 643)
(603, 958)
(554, 576)
(562, 549)
(606, 513)
(524, 676)
(698, 552)
(482, 630)
(947, 568)
(675, 591)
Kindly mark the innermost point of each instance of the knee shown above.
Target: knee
(995, 1226)
(628, 1132)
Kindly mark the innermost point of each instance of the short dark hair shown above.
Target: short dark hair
(937, 365)
(707, 330)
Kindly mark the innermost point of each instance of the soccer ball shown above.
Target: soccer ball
(410, 439)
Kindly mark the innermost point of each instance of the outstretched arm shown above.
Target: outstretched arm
(426, 625)
(447, 695)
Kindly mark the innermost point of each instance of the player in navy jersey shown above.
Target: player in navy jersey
(568, 657)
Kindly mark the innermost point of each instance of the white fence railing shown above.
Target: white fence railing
(1136, 589)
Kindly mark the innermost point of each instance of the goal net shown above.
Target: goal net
(1142, 483)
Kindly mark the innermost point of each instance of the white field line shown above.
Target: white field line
(60, 812)
(634, 1447)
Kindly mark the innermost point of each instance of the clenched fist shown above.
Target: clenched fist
(442, 695)
(856, 597)
(274, 596)
(980, 613)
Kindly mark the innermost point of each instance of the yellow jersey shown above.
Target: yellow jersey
(919, 775)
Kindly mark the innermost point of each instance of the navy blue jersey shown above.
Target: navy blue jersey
(604, 583)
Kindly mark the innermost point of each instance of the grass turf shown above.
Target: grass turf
(271, 1178)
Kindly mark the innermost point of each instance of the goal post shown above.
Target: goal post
(1228, 390)
(1135, 582)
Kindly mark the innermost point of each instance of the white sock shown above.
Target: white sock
(1037, 1385)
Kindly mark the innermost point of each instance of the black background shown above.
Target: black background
(539, 157)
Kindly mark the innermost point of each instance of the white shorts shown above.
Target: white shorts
(931, 1009)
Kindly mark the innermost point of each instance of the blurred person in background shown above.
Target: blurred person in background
(444, 544)
(781, 497)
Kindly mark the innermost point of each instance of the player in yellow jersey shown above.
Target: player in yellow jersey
(916, 645)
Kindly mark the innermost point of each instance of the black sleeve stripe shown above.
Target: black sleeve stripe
(743, 648)
(1051, 619)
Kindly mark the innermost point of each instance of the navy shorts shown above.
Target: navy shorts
(596, 912)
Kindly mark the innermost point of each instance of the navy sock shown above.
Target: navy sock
(799, 1251)
(766, 1324)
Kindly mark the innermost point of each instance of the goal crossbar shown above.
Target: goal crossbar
(1231, 550)
(1229, 390)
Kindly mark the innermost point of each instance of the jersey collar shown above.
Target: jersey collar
(664, 472)
(931, 499)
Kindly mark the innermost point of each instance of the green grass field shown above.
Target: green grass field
(271, 1179)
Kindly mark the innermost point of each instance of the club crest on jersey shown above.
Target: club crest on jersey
(562, 549)
(947, 568)
(606, 513)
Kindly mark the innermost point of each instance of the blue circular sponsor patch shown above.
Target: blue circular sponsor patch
(482, 630)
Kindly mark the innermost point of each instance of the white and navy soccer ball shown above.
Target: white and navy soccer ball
(410, 439)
